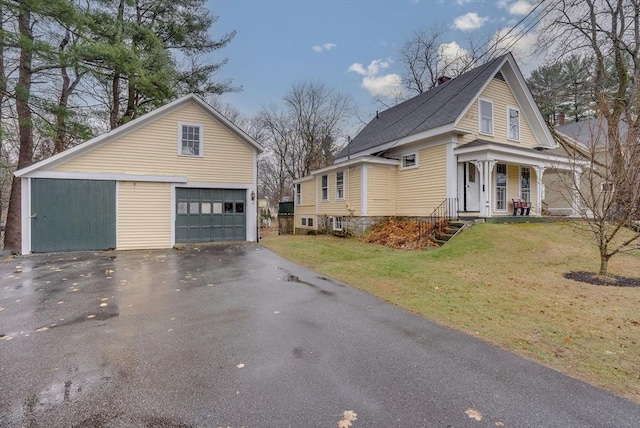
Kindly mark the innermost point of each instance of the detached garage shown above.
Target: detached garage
(180, 174)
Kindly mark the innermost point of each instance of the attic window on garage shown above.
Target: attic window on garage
(190, 140)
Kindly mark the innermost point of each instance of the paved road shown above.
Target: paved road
(235, 336)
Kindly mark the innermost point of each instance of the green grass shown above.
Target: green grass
(504, 284)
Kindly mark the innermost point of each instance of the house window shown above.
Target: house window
(606, 187)
(337, 223)
(525, 184)
(298, 193)
(472, 172)
(325, 188)
(304, 221)
(190, 140)
(501, 187)
(486, 117)
(410, 160)
(514, 123)
(339, 185)
(310, 222)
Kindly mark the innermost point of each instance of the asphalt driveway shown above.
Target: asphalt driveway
(235, 336)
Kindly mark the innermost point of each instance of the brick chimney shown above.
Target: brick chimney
(561, 119)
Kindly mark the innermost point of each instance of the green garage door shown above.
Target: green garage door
(210, 215)
(72, 215)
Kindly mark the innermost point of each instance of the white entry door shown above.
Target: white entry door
(472, 187)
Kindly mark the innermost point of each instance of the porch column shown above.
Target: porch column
(486, 202)
(539, 172)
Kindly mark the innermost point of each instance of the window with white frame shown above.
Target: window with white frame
(325, 188)
(514, 123)
(501, 187)
(190, 140)
(606, 187)
(306, 221)
(525, 184)
(303, 221)
(486, 116)
(337, 223)
(409, 160)
(339, 185)
(298, 193)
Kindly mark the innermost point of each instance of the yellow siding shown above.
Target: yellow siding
(332, 206)
(354, 192)
(307, 205)
(153, 150)
(420, 190)
(144, 217)
(500, 94)
(382, 189)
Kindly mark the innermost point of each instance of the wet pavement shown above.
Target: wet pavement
(235, 336)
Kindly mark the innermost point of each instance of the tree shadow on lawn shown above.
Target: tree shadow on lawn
(609, 280)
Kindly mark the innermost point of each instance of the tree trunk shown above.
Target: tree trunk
(604, 265)
(13, 234)
(61, 126)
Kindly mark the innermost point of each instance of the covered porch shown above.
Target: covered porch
(497, 180)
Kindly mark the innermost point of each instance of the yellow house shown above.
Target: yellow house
(467, 148)
(180, 174)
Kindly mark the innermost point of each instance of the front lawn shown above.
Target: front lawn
(503, 283)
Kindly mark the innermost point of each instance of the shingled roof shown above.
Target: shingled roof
(439, 106)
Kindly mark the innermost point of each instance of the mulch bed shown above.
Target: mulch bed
(609, 281)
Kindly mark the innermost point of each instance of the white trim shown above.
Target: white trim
(297, 197)
(415, 160)
(493, 116)
(172, 214)
(106, 176)
(399, 142)
(73, 152)
(495, 188)
(322, 198)
(344, 181)
(364, 208)
(25, 208)
(350, 162)
(200, 126)
(117, 211)
(451, 170)
(333, 226)
(510, 107)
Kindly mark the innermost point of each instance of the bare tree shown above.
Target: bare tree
(609, 32)
(426, 57)
(303, 135)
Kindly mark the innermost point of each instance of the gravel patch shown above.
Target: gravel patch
(609, 281)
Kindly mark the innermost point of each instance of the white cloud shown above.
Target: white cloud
(378, 84)
(323, 47)
(469, 21)
(461, 2)
(521, 7)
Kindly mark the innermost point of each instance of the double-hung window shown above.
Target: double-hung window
(514, 123)
(501, 187)
(339, 185)
(298, 193)
(337, 223)
(325, 188)
(525, 183)
(486, 117)
(190, 137)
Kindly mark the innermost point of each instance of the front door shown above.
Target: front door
(471, 187)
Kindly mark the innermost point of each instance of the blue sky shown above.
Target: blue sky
(350, 45)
